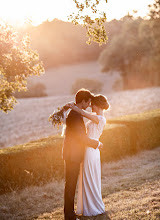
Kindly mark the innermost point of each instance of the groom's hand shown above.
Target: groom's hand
(100, 146)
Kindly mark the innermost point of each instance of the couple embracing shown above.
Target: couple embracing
(81, 152)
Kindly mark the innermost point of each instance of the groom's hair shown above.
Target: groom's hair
(83, 94)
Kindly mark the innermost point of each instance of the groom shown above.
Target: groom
(75, 142)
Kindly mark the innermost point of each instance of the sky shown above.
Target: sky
(18, 12)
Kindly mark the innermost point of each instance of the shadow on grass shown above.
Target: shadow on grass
(103, 216)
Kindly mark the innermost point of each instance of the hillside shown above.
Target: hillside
(59, 80)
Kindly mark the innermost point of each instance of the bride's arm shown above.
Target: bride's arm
(84, 113)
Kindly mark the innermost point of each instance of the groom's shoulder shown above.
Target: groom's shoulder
(73, 114)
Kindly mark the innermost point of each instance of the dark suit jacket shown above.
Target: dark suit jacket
(75, 138)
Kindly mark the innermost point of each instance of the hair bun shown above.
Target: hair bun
(100, 101)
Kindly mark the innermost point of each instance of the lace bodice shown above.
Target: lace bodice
(94, 130)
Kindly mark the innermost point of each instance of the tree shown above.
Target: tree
(17, 62)
(135, 50)
(123, 49)
(154, 10)
(154, 14)
(95, 29)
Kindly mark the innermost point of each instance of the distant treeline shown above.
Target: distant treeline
(60, 42)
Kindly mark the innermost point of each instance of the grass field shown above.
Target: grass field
(130, 190)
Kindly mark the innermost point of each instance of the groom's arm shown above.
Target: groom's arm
(91, 142)
(85, 139)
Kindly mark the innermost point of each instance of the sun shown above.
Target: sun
(18, 12)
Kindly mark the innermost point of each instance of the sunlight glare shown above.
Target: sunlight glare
(18, 12)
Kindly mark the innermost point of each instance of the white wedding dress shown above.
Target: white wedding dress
(89, 199)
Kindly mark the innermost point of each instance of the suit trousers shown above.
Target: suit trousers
(71, 177)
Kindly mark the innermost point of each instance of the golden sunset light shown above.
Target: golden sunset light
(18, 12)
(79, 109)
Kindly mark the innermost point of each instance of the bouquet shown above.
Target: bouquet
(57, 117)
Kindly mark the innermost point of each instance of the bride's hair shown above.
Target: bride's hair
(100, 101)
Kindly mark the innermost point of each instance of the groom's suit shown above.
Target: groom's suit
(75, 142)
(75, 138)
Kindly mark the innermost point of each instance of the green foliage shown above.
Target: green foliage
(95, 29)
(134, 50)
(17, 62)
(33, 163)
(93, 85)
(142, 129)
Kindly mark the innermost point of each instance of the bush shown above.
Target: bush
(144, 129)
(93, 85)
(34, 90)
(116, 140)
(33, 163)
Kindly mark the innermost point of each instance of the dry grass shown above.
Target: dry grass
(29, 120)
(130, 189)
(141, 202)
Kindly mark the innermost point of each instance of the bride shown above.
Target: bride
(89, 200)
